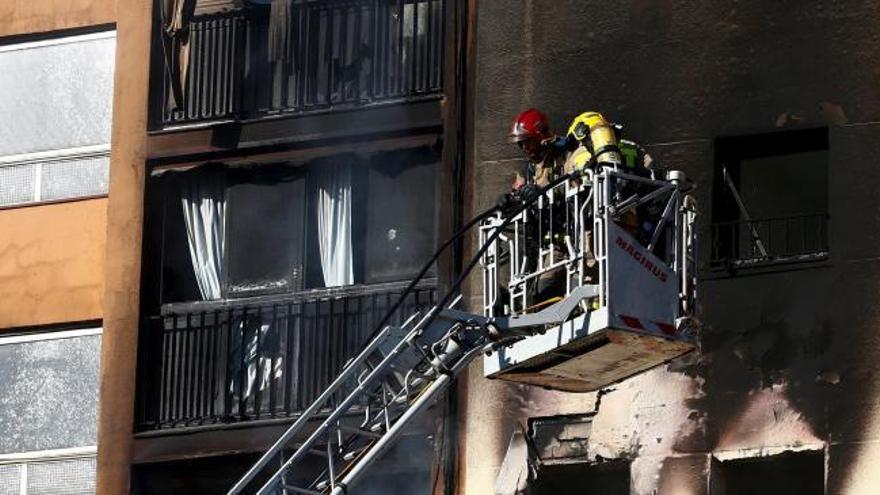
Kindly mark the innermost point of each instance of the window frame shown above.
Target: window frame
(49, 335)
(24, 458)
(39, 158)
(722, 462)
(161, 193)
(729, 154)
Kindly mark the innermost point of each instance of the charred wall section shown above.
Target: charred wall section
(788, 355)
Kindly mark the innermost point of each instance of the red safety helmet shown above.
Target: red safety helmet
(529, 124)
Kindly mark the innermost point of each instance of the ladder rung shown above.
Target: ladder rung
(359, 431)
(351, 454)
(379, 388)
(296, 489)
(314, 451)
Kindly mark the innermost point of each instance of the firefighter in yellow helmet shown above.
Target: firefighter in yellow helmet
(591, 142)
(600, 145)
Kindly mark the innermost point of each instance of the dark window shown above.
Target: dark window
(276, 229)
(407, 467)
(211, 475)
(608, 478)
(559, 445)
(770, 202)
(266, 214)
(393, 216)
(801, 473)
(400, 232)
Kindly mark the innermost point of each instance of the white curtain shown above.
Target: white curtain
(333, 186)
(204, 212)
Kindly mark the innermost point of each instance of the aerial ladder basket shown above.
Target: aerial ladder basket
(586, 283)
(620, 250)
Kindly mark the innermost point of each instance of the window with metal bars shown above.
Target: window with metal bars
(770, 199)
(312, 56)
(279, 331)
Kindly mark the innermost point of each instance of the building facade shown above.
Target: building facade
(57, 86)
(781, 397)
(280, 171)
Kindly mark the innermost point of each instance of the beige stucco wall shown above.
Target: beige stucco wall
(51, 263)
(124, 231)
(18, 17)
(52, 256)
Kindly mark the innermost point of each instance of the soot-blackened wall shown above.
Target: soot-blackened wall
(788, 356)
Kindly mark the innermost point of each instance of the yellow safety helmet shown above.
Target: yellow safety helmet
(602, 137)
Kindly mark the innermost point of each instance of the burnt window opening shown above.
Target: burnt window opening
(558, 448)
(408, 466)
(265, 221)
(770, 199)
(606, 478)
(401, 207)
(792, 473)
(223, 232)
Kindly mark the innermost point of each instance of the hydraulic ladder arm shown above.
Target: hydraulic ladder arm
(404, 369)
(399, 373)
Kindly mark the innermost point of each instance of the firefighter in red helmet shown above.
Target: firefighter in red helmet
(548, 158)
(546, 153)
(529, 130)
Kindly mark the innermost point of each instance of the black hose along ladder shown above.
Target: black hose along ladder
(399, 372)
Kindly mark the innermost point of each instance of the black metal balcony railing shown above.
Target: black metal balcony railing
(342, 54)
(770, 241)
(227, 363)
(213, 87)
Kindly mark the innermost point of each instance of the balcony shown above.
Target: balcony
(261, 358)
(769, 241)
(329, 55)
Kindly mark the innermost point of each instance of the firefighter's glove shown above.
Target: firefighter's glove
(527, 192)
(506, 203)
(564, 143)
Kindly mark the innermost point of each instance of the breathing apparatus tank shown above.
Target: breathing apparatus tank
(602, 138)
